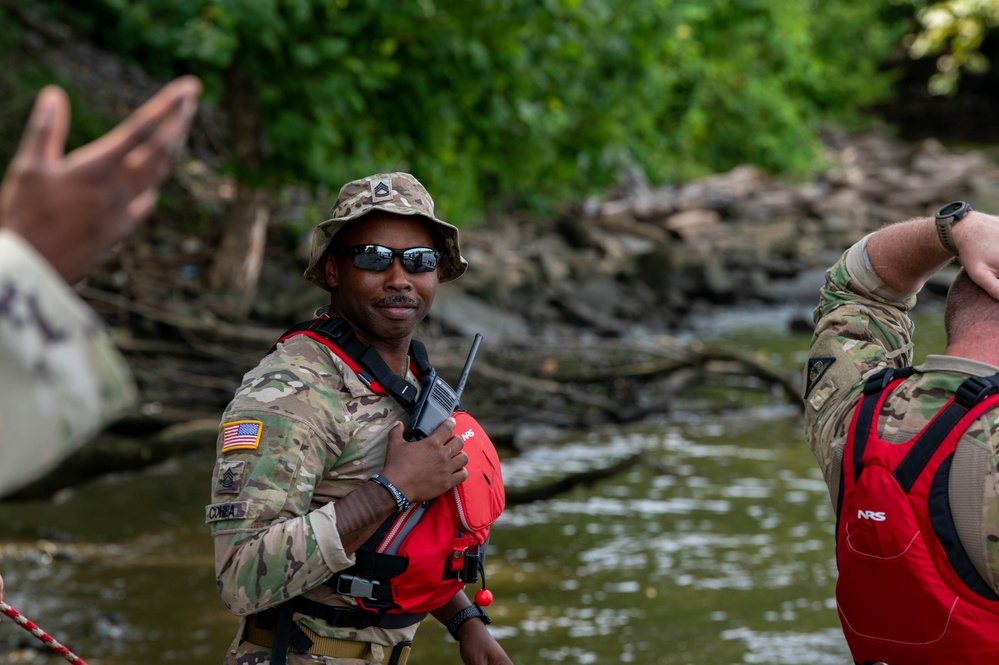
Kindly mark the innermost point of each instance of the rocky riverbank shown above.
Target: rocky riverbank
(637, 264)
(647, 258)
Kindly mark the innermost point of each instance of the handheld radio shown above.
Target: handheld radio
(437, 400)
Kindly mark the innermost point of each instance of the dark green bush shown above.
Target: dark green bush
(500, 104)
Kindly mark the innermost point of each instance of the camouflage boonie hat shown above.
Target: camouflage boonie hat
(397, 193)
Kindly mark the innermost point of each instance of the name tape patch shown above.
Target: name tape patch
(233, 510)
(241, 435)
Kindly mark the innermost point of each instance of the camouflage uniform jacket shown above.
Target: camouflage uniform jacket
(313, 431)
(63, 378)
(861, 326)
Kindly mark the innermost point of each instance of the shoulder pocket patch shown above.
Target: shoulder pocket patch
(816, 368)
(241, 435)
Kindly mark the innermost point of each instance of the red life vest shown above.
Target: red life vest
(420, 558)
(907, 592)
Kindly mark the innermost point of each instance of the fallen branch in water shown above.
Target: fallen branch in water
(583, 479)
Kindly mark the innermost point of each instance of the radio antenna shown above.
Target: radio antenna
(468, 366)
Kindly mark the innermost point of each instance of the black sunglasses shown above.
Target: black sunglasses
(379, 258)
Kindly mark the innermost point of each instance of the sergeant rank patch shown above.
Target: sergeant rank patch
(241, 435)
(230, 479)
(381, 190)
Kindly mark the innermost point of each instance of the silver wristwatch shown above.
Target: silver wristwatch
(947, 217)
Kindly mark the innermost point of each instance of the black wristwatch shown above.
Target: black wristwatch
(473, 611)
(948, 216)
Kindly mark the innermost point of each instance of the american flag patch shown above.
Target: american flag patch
(241, 435)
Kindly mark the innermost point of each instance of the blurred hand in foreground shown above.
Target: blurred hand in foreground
(73, 208)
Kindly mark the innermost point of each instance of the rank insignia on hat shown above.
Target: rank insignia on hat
(241, 435)
(381, 190)
(816, 368)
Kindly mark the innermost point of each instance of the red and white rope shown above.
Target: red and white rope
(29, 626)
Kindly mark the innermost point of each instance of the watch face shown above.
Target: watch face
(950, 209)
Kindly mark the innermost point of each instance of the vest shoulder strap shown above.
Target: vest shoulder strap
(364, 360)
(972, 392)
(874, 389)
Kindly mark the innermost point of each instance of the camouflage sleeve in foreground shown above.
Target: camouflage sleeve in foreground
(63, 378)
(300, 433)
(861, 326)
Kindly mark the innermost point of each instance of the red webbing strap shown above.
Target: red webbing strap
(342, 355)
(365, 362)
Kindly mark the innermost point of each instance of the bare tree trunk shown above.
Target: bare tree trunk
(236, 267)
(235, 270)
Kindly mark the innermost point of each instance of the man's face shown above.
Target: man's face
(382, 306)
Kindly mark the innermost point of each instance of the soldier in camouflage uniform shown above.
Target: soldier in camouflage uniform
(862, 326)
(292, 499)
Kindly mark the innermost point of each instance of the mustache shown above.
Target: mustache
(397, 301)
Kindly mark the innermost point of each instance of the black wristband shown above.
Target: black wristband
(473, 611)
(401, 502)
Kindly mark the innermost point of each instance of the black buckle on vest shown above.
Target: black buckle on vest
(358, 587)
(879, 381)
(974, 389)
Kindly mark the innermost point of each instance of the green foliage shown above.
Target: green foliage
(16, 100)
(514, 103)
(20, 80)
(953, 31)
